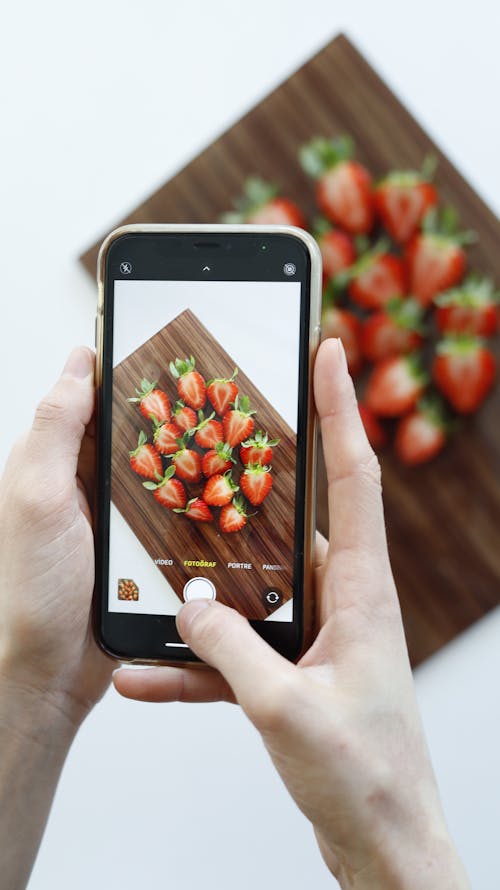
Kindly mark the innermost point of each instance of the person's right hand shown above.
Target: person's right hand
(342, 726)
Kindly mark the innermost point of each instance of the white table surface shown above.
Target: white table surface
(101, 101)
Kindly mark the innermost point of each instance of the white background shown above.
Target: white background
(101, 101)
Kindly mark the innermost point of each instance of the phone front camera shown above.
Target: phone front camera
(263, 246)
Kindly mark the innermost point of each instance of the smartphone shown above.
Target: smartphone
(205, 339)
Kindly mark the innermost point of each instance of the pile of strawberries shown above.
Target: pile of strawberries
(194, 443)
(395, 290)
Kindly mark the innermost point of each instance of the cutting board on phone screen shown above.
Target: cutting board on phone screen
(266, 539)
(442, 518)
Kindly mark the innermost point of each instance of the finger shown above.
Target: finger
(320, 549)
(225, 640)
(62, 416)
(165, 684)
(86, 469)
(354, 492)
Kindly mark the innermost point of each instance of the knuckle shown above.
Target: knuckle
(271, 713)
(49, 412)
(29, 504)
(36, 499)
(370, 470)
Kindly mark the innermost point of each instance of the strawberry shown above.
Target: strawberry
(258, 450)
(256, 483)
(469, 309)
(208, 432)
(464, 371)
(221, 391)
(395, 385)
(377, 277)
(190, 384)
(403, 198)
(219, 490)
(342, 323)
(395, 330)
(187, 463)
(435, 263)
(421, 435)
(344, 186)
(435, 258)
(337, 250)
(217, 460)
(145, 460)
(184, 417)
(261, 205)
(168, 492)
(238, 423)
(152, 402)
(374, 430)
(233, 516)
(197, 510)
(166, 437)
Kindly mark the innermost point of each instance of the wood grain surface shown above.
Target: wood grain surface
(164, 534)
(441, 519)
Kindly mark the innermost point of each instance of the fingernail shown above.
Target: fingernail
(129, 668)
(342, 355)
(188, 613)
(80, 363)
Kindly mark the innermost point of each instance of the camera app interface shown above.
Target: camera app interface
(204, 422)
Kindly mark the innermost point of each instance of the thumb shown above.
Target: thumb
(62, 415)
(226, 641)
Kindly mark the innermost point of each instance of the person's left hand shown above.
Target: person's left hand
(47, 551)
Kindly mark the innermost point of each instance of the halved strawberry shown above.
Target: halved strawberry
(256, 483)
(152, 402)
(221, 391)
(344, 186)
(166, 437)
(219, 490)
(262, 205)
(187, 463)
(337, 250)
(238, 424)
(403, 198)
(209, 431)
(377, 277)
(395, 330)
(421, 435)
(145, 460)
(374, 430)
(469, 309)
(168, 492)
(342, 323)
(233, 516)
(197, 510)
(184, 417)
(190, 384)
(258, 450)
(435, 258)
(217, 460)
(395, 385)
(464, 371)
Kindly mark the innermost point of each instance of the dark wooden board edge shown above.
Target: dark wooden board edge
(342, 52)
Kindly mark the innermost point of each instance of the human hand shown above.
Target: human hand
(342, 726)
(47, 552)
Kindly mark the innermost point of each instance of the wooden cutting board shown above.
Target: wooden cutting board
(167, 535)
(442, 519)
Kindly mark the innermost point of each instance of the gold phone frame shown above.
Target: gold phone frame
(314, 339)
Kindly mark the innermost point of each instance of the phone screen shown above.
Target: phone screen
(206, 351)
